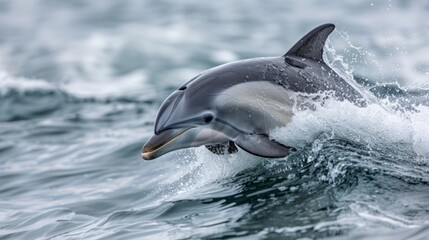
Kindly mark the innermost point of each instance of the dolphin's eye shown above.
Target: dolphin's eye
(182, 88)
(207, 118)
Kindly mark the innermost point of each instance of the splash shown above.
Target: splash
(192, 171)
(381, 123)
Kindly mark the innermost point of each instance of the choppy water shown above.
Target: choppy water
(81, 82)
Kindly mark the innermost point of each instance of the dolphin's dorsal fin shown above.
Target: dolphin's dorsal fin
(311, 45)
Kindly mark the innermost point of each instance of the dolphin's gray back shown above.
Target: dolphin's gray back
(302, 76)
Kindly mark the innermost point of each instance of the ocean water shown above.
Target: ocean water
(81, 82)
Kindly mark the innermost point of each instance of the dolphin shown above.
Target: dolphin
(239, 103)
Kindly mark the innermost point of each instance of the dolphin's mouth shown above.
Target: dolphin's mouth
(156, 143)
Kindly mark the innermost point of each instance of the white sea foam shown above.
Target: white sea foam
(372, 125)
(420, 130)
(20, 84)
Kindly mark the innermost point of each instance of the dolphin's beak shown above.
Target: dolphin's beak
(162, 143)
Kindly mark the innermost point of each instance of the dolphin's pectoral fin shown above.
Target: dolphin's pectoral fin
(221, 149)
(311, 45)
(261, 145)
